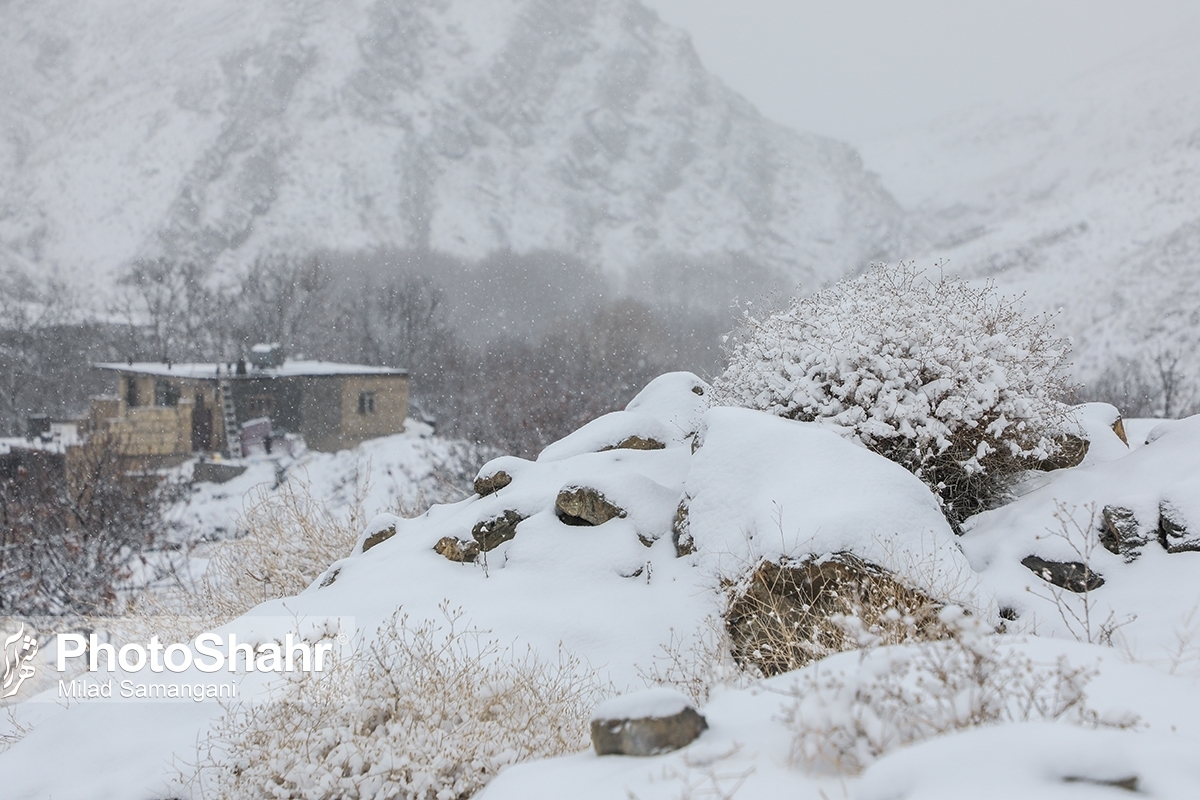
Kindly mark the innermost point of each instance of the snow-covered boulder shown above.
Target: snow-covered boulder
(763, 487)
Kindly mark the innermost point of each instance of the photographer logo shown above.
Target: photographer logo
(19, 652)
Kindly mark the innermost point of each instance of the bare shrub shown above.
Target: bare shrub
(952, 382)
(1078, 610)
(781, 617)
(432, 710)
(901, 695)
(698, 663)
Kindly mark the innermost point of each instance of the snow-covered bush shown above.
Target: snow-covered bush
(951, 381)
(432, 711)
(843, 721)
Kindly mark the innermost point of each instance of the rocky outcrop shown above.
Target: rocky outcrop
(1070, 575)
(1120, 532)
(646, 724)
(580, 505)
(680, 533)
(779, 619)
(1174, 532)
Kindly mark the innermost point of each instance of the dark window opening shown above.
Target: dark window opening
(366, 402)
(166, 393)
(131, 392)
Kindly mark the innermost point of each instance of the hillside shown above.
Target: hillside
(216, 131)
(1086, 197)
(489, 627)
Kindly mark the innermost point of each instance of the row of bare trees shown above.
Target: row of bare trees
(513, 353)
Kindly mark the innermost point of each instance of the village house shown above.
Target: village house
(163, 412)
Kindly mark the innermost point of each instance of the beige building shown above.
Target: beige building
(165, 412)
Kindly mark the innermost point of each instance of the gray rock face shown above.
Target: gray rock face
(1178, 535)
(1120, 532)
(647, 736)
(579, 505)
(1070, 575)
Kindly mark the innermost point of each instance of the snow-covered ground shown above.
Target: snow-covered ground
(618, 545)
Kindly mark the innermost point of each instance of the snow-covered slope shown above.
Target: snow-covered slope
(218, 130)
(618, 544)
(1086, 197)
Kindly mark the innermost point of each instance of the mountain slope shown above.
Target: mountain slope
(217, 131)
(1087, 200)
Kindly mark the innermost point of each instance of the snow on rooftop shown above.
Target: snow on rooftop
(212, 370)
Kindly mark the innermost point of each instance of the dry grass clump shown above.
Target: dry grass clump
(289, 538)
(431, 711)
(784, 616)
(844, 719)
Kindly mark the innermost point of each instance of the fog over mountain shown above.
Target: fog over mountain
(216, 131)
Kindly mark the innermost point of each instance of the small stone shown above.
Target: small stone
(489, 484)
(1120, 532)
(635, 443)
(456, 550)
(646, 723)
(491, 533)
(379, 537)
(1070, 575)
(579, 505)
(329, 579)
(1129, 783)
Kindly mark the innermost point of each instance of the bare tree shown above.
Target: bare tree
(70, 534)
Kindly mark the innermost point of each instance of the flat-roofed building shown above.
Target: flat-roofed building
(164, 412)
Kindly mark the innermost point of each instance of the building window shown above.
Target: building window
(260, 405)
(366, 402)
(166, 393)
(131, 392)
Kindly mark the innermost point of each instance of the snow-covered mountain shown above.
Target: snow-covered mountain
(1085, 196)
(218, 130)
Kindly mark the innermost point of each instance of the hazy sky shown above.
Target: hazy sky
(856, 69)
